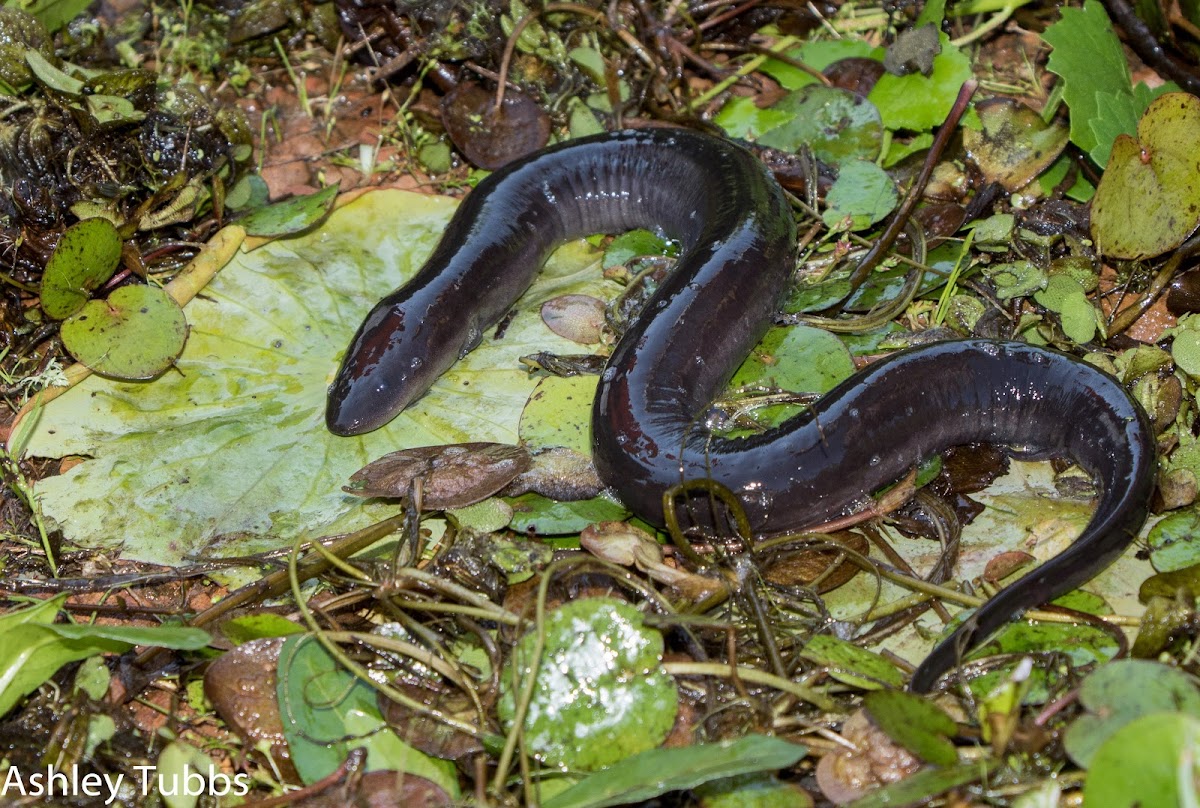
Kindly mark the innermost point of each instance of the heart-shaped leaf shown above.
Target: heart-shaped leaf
(1149, 199)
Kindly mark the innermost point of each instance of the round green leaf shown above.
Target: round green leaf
(1064, 295)
(1185, 344)
(1121, 692)
(796, 358)
(1172, 541)
(838, 125)
(1148, 201)
(86, 256)
(1150, 761)
(863, 194)
(1015, 279)
(601, 694)
(136, 334)
(559, 413)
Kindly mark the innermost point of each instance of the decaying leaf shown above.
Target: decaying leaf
(491, 138)
(452, 476)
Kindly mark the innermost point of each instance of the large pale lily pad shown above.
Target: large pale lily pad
(1148, 201)
(230, 454)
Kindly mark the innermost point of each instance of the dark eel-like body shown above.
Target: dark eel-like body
(737, 240)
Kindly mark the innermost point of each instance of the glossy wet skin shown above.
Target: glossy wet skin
(737, 238)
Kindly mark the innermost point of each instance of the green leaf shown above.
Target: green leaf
(898, 148)
(932, 13)
(41, 613)
(1064, 294)
(86, 256)
(559, 414)
(34, 653)
(919, 103)
(655, 772)
(591, 61)
(742, 118)
(582, 121)
(840, 127)
(1013, 144)
(818, 55)
(850, 664)
(55, 14)
(1121, 692)
(1185, 344)
(51, 76)
(636, 244)
(34, 650)
(761, 790)
(1120, 118)
(1016, 279)
(807, 296)
(233, 448)
(995, 233)
(537, 515)
(1082, 644)
(483, 517)
(863, 194)
(256, 626)
(1148, 200)
(291, 216)
(182, 638)
(328, 711)
(1150, 761)
(112, 109)
(915, 723)
(800, 359)
(250, 191)
(1172, 541)
(1088, 57)
(137, 333)
(601, 694)
(178, 765)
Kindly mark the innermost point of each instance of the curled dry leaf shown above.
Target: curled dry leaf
(1177, 488)
(1005, 564)
(453, 475)
(803, 563)
(624, 544)
(426, 733)
(875, 760)
(558, 473)
(492, 138)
